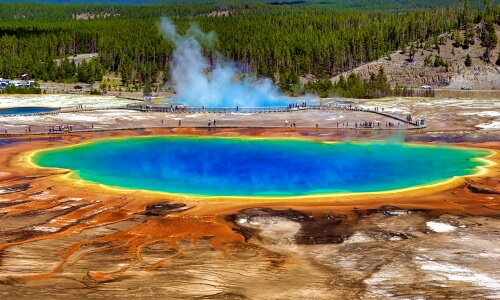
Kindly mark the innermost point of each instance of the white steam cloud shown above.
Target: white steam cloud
(197, 84)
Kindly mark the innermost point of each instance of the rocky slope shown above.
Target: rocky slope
(401, 71)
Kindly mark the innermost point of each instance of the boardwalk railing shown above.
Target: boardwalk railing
(186, 109)
(268, 109)
(264, 109)
(417, 124)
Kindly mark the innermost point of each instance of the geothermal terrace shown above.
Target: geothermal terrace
(62, 237)
(98, 113)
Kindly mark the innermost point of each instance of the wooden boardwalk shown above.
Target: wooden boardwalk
(220, 110)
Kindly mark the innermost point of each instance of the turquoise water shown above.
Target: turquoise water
(259, 167)
(24, 110)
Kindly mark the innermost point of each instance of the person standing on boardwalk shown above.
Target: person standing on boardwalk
(286, 123)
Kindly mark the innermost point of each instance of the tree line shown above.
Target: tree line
(280, 42)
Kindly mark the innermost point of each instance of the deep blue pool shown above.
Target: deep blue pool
(260, 167)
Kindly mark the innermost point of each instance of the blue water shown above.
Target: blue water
(24, 110)
(262, 103)
(259, 167)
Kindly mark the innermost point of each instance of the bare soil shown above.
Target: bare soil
(63, 238)
(481, 76)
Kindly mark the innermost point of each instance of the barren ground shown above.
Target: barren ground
(482, 77)
(63, 239)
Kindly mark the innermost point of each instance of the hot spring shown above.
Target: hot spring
(25, 110)
(260, 167)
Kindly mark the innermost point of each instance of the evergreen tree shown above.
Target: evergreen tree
(83, 72)
(468, 61)
(290, 41)
(146, 91)
(126, 70)
(412, 52)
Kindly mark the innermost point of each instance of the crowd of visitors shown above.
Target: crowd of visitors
(384, 120)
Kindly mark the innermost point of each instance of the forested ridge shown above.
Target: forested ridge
(337, 4)
(280, 42)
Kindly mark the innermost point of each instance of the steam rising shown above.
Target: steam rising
(197, 84)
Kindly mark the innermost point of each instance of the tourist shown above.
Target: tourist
(179, 122)
(286, 123)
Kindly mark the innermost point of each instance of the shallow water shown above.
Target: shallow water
(25, 110)
(260, 167)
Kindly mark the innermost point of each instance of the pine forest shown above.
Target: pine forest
(281, 42)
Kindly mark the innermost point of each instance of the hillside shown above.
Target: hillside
(273, 41)
(79, 2)
(338, 4)
(400, 71)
